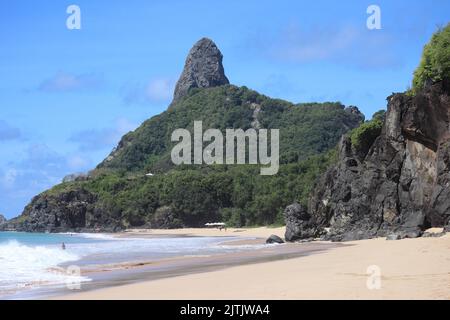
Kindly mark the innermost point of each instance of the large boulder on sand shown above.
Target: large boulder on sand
(274, 239)
(298, 224)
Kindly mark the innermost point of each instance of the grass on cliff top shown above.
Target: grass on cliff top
(364, 136)
(435, 62)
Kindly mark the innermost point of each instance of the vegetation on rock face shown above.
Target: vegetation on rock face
(364, 136)
(190, 195)
(435, 62)
(379, 115)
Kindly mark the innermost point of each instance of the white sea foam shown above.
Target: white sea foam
(97, 236)
(24, 266)
(35, 259)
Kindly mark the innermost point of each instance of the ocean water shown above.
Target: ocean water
(30, 260)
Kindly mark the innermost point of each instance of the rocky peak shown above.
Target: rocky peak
(203, 69)
(353, 110)
(2, 219)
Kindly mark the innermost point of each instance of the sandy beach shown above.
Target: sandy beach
(368, 269)
(261, 232)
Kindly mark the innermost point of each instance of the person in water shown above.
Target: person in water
(63, 246)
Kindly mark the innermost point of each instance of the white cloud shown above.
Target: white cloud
(123, 125)
(63, 82)
(316, 44)
(341, 44)
(155, 90)
(77, 163)
(39, 169)
(159, 89)
(106, 138)
(9, 178)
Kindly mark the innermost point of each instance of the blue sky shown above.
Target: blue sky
(67, 96)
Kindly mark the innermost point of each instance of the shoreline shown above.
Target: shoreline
(408, 269)
(243, 246)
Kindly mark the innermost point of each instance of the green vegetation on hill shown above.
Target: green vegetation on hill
(435, 62)
(196, 195)
(191, 195)
(305, 129)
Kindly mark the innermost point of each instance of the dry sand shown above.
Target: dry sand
(261, 232)
(409, 269)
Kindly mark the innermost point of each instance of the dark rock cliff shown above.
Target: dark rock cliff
(74, 210)
(402, 184)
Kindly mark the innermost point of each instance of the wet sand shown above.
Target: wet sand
(110, 276)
